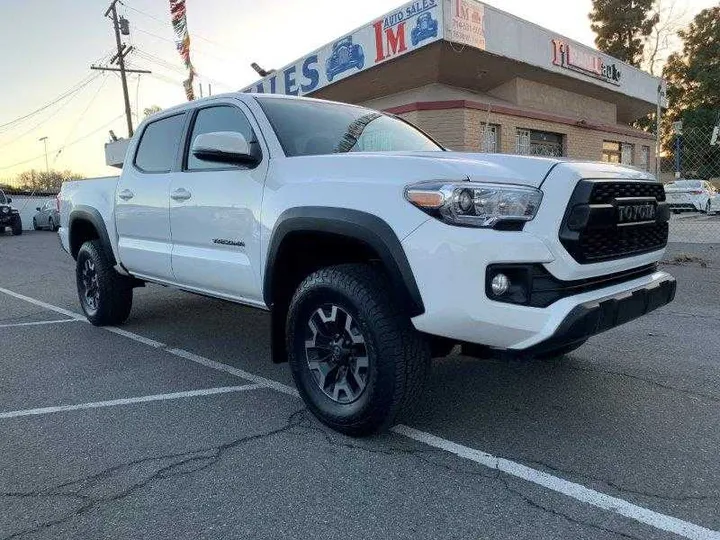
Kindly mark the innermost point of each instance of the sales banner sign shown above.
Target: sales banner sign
(465, 22)
(410, 27)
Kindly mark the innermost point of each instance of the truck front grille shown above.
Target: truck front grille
(608, 220)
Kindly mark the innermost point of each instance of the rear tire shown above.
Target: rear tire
(355, 357)
(17, 227)
(105, 296)
(707, 208)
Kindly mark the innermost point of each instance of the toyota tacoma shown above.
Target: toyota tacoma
(373, 247)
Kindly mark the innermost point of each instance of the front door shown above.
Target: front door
(215, 212)
(142, 207)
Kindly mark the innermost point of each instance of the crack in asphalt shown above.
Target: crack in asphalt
(647, 381)
(194, 461)
(534, 504)
(203, 458)
(491, 474)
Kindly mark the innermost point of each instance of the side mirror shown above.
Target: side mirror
(37, 208)
(223, 147)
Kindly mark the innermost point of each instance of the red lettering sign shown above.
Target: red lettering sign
(389, 42)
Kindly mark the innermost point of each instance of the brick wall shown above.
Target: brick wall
(461, 129)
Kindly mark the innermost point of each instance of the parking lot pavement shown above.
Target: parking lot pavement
(184, 428)
(695, 228)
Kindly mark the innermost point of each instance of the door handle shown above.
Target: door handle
(126, 194)
(181, 194)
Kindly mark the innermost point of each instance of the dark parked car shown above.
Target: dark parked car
(9, 216)
(345, 55)
(425, 28)
(47, 217)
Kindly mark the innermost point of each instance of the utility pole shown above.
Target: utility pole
(45, 140)
(121, 26)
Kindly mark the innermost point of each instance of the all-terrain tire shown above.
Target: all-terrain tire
(111, 292)
(398, 356)
(17, 226)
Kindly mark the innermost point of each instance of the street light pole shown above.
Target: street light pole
(45, 140)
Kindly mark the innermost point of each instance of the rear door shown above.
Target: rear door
(142, 207)
(215, 211)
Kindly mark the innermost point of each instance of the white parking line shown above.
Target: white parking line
(38, 323)
(130, 401)
(42, 304)
(570, 489)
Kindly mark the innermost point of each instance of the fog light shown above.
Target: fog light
(500, 284)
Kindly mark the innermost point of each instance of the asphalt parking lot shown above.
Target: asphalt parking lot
(179, 426)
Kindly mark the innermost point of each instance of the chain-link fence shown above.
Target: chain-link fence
(690, 169)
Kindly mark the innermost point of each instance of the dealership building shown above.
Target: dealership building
(479, 79)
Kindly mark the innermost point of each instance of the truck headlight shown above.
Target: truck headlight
(475, 204)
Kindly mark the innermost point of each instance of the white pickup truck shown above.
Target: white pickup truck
(374, 248)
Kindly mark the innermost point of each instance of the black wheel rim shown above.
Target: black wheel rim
(89, 288)
(337, 354)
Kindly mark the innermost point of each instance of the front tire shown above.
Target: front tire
(355, 357)
(17, 227)
(36, 227)
(105, 296)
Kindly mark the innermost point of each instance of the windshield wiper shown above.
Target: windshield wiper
(354, 131)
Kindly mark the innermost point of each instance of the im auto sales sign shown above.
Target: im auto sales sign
(414, 25)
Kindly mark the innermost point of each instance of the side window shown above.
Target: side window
(158, 146)
(220, 118)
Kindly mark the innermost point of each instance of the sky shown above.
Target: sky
(47, 48)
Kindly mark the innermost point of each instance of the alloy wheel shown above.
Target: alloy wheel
(337, 354)
(90, 287)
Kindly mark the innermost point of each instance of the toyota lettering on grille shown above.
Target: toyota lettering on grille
(633, 213)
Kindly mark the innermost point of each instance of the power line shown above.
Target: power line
(82, 115)
(80, 139)
(17, 138)
(76, 88)
(170, 67)
(166, 22)
(170, 40)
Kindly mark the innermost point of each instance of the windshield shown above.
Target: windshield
(3, 200)
(310, 128)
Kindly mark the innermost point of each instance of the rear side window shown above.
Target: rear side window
(158, 146)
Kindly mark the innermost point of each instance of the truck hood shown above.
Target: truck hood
(406, 167)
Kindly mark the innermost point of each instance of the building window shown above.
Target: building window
(611, 152)
(529, 142)
(626, 153)
(489, 138)
(645, 158)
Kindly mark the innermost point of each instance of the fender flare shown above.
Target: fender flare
(91, 215)
(362, 226)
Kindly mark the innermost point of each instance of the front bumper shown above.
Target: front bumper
(591, 318)
(450, 264)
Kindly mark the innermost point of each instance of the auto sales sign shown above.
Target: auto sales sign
(410, 27)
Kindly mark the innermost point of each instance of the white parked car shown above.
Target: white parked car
(692, 195)
(373, 248)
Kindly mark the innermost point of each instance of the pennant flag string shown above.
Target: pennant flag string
(178, 13)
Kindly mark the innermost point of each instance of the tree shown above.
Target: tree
(663, 37)
(47, 182)
(693, 77)
(153, 109)
(622, 26)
